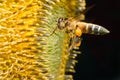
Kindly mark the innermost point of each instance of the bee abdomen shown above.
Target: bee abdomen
(96, 29)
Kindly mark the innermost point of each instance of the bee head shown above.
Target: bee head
(61, 23)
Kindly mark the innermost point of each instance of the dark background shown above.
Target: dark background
(100, 58)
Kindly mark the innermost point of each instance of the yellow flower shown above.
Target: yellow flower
(27, 52)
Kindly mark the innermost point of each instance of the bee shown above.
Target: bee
(76, 28)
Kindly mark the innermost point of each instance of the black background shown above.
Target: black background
(100, 58)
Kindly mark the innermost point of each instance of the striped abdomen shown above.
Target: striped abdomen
(92, 28)
(96, 29)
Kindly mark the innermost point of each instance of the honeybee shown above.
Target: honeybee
(75, 28)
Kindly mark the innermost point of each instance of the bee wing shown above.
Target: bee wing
(79, 17)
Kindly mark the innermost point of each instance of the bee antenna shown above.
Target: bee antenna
(53, 31)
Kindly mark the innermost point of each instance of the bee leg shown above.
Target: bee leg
(72, 43)
(77, 42)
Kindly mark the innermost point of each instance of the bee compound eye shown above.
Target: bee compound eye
(60, 20)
